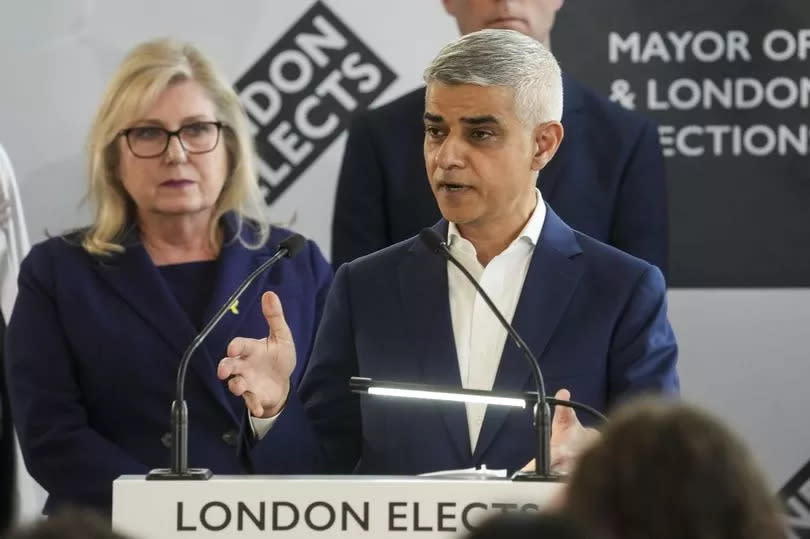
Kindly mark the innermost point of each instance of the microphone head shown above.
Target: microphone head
(293, 244)
(432, 240)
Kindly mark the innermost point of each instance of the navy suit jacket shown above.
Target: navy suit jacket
(93, 347)
(594, 316)
(607, 179)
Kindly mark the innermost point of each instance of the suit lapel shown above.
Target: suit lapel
(234, 264)
(138, 282)
(554, 271)
(426, 305)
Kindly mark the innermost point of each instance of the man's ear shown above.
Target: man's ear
(547, 139)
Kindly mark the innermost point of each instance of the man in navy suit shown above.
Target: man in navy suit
(607, 179)
(593, 315)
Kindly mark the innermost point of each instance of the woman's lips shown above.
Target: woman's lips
(176, 183)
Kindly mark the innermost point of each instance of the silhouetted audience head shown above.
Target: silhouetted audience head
(68, 523)
(527, 526)
(669, 470)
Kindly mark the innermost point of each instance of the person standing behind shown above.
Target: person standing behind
(104, 314)
(607, 180)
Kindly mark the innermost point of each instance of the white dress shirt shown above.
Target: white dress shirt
(478, 335)
(14, 243)
(262, 425)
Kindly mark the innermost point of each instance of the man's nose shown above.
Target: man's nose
(450, 154)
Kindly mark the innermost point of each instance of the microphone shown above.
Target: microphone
(542, 412)
(288, 248)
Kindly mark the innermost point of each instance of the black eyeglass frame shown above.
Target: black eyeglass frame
(169, 134)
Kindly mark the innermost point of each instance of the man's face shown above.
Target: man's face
(533, 18)
(481, 160)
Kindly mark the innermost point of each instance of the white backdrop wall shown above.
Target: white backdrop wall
(743, 352)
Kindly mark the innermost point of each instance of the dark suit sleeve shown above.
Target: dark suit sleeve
(643, 351)
(61, 449)
(360, 224)
(333, 410)
(641, 219)
(291, 445)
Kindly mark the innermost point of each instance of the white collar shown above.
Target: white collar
(531, 231)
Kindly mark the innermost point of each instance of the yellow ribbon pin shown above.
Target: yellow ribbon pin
(235, 307)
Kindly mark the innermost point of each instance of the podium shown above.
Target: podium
(322, 506)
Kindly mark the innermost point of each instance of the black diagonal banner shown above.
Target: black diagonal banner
(728, 83)
(796, 497)
(300, 94)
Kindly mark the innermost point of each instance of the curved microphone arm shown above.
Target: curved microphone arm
(542, 412)
(184, 361)
(578, 406)
(179, 469)
(519, 342)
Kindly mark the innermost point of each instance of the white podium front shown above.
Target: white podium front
(316, 506)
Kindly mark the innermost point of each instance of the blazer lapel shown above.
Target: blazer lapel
(554, 271)
(426, 305)
(235, 263)
(136, 279)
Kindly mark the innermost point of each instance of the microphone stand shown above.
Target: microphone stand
(542, 411)
(179, 416)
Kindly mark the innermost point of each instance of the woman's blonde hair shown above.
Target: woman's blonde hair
(145, 73)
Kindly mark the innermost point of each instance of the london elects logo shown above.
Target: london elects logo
(300, 95)
(796, 497)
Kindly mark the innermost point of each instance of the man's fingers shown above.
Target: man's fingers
(563, 394)
(258, 370)
(226, 368)
(564, 416)
(237, 385)
(233, 366)
(274, 314)
(253, 404)
(237, 347)
(562, 466)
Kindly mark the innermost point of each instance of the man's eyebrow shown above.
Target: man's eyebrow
(480, 120)
(470, 120)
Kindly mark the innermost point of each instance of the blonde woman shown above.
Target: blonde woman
(104, 314)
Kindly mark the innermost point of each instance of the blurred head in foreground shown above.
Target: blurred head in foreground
(670, 470)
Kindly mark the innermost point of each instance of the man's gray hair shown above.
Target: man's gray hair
(508, 59)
